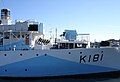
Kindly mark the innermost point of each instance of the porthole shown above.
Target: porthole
(5, 70)
(45, 54)
(101, 51)
(26, 70)
(20, 54)
(80, 52)
(69, 52)
(37, 54)
(5, 54)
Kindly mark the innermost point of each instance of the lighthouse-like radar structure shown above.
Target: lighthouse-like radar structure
(5, 17)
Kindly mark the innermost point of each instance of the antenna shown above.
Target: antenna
(55, 35)
(50, 33)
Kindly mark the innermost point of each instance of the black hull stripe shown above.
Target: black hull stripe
(113, 74)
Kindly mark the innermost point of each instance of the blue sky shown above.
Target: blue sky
(100, 18)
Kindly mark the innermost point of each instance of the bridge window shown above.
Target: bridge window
(33, 27)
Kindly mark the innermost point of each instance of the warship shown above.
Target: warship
(24, 52)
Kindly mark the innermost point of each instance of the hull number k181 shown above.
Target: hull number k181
(91, 58)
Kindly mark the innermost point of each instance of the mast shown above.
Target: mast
(55, 35)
